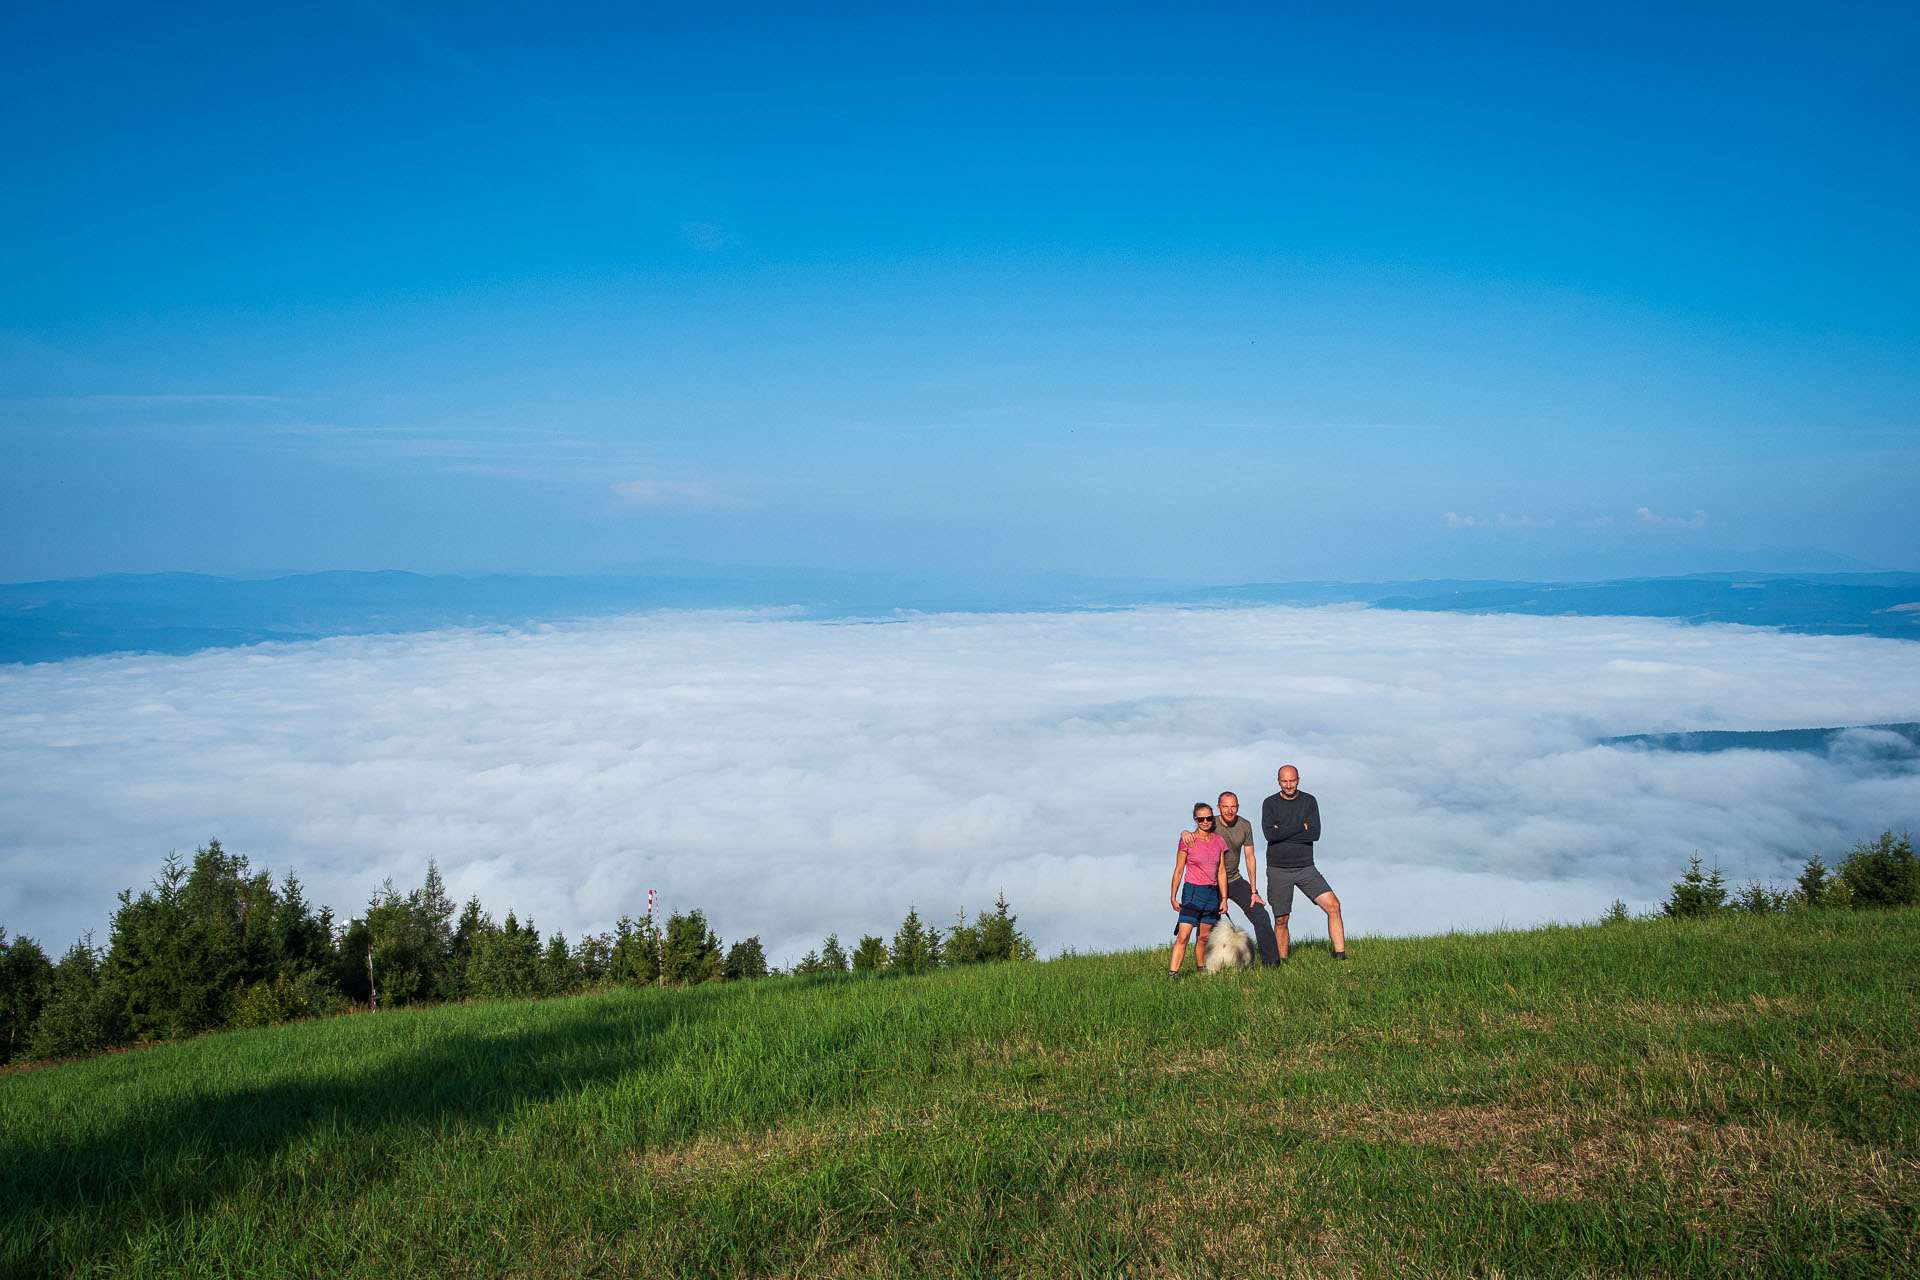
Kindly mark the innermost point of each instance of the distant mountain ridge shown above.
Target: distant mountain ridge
(1894, 746)
(180, 613)
(1879, 604)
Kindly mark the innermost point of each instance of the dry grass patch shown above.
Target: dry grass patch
(1671, 1013)
(1548, 1154)
(707, 1158)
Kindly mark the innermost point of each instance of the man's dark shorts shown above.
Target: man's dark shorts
(1282, 881)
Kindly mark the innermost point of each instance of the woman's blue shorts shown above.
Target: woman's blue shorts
(1199, 904)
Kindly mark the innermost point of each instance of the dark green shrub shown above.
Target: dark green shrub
(1882, 872)
(84, 1012)
(261, 1004)
(1755, 898)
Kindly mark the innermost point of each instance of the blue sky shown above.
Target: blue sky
(1164, 294)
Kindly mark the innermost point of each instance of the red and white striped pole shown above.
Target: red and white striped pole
(659, 944)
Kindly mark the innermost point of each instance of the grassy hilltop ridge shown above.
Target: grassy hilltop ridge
(1739, 1094)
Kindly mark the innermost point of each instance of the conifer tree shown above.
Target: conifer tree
(351, 972)
(592, 958)
(916, 948)
(179, 951)
(999, 939)
(963, 941)
(692, 950)
(871, 955)
(300, 939)
(833, 957)
(558, 977)
(1697, 894)
(635, 960)
(405, 959)
(460, 946)
(1813, 883)
(26, 978)
(746, 960)
(506, 961)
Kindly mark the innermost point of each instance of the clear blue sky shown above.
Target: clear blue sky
(1173, 293)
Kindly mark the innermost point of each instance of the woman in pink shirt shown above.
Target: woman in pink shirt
(1199, 887)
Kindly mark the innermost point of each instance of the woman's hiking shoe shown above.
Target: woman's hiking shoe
(1339, 955)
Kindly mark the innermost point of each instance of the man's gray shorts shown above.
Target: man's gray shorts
(1282, 881)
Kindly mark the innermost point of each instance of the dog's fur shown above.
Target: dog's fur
(1230, 947)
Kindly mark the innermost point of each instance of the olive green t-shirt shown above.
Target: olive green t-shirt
(1238, 836)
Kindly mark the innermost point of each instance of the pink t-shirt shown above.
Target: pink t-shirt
(1203, 857)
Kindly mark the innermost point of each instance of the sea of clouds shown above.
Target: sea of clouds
(793, 777)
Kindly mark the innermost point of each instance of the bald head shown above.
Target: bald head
(1289, 780)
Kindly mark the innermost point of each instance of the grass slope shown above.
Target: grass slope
(1729, 1096)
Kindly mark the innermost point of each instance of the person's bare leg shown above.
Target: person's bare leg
(1336, 931)
(1179, 948)
(1200, 946)
(1281, 938)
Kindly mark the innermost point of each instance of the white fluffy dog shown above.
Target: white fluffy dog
(1230, 947)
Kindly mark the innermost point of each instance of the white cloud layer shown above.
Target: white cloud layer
(794, 777)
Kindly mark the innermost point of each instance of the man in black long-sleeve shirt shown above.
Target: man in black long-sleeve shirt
(1291, 822)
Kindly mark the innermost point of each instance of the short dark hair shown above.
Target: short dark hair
(1198, 805)
(1223, 795)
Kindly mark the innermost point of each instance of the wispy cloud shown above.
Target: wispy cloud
(169, 400)
(793, 777)
(1501, 521)
(648, 495)
(1648, 519)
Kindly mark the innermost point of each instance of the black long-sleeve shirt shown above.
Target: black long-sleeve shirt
(1291, 827)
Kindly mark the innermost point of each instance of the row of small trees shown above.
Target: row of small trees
(919, 948)
(213, 944)
(1873, 874)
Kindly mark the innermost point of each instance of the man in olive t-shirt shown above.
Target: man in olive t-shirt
(1238, 833)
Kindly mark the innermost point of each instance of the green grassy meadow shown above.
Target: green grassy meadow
(1739, 1095)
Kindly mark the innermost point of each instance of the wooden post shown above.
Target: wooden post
(372, 995)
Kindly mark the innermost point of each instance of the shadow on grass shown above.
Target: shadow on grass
(189, 1152)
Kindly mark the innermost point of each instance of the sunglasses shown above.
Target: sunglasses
(1208, 818)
